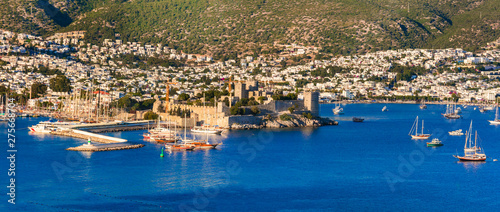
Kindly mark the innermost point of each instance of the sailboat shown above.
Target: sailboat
(161, 134)
(451, 112)
(414, 129)
(472, 152)
(338, 110)
(497, 120)
(202, 144)
(423, 105)
(183, 146)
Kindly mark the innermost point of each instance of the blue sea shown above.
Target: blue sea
(369, 166)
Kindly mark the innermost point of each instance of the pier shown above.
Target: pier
(105, 147)
(107, 143)
(88, 135)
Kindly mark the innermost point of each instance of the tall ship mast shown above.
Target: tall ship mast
(472, 151)
(414, 131)
(497, 118)
(451, 112)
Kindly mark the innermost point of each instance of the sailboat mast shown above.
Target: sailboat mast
(204, 109)
(422, 127)
(496, 114)
(466, 139)
(469, 136)
(475, 142)
(185, 126)
(416, 126)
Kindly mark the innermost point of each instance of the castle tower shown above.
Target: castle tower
(311, 102)
(240, 90)
(252, 85)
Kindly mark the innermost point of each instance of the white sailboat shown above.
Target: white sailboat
(472, 152)
(497, 120)
(451, 112)
(423, 105)
(488, 107)
(338, 110)
(414, 131)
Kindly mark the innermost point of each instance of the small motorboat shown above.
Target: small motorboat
(357, 119)
(456, 132)
(434, 142)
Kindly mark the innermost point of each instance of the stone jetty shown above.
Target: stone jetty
(86, 135)
(107, 143)
(104, 147)
(118, 129)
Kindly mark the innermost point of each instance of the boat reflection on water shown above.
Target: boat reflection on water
(472, 165)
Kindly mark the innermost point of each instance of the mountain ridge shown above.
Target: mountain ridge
(231, 28)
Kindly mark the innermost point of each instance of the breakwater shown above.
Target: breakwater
(118, 129)
(104, 147)
(87, 135)
(107, 143)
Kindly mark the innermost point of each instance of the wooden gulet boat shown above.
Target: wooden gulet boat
(472, 152)
(414, 128)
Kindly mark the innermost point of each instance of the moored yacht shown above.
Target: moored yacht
(451, 112)
(496, 120)
(434, 142)
(456, 132)
(50, 126)
(414, 131)
(207, 129)
(472, 151)
(42, 128)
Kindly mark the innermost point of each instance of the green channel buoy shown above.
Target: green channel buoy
(161, 155)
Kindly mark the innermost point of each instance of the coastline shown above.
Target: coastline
(403, 102)
(295, 121)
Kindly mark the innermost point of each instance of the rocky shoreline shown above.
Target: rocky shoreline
(295, 121)
(401, 102)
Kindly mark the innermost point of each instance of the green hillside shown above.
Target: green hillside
(228, 28)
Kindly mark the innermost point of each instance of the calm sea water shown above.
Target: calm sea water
(370, 166)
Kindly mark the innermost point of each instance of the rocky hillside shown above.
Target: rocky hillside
(238, 27)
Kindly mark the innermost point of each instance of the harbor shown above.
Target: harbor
(107, 143)
(358, 157)
(89, 132)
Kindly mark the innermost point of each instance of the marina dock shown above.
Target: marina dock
(113, 126)
(88, 135)
(107, 143)
(105, 147)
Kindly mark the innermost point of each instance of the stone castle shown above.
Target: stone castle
(220, 115)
